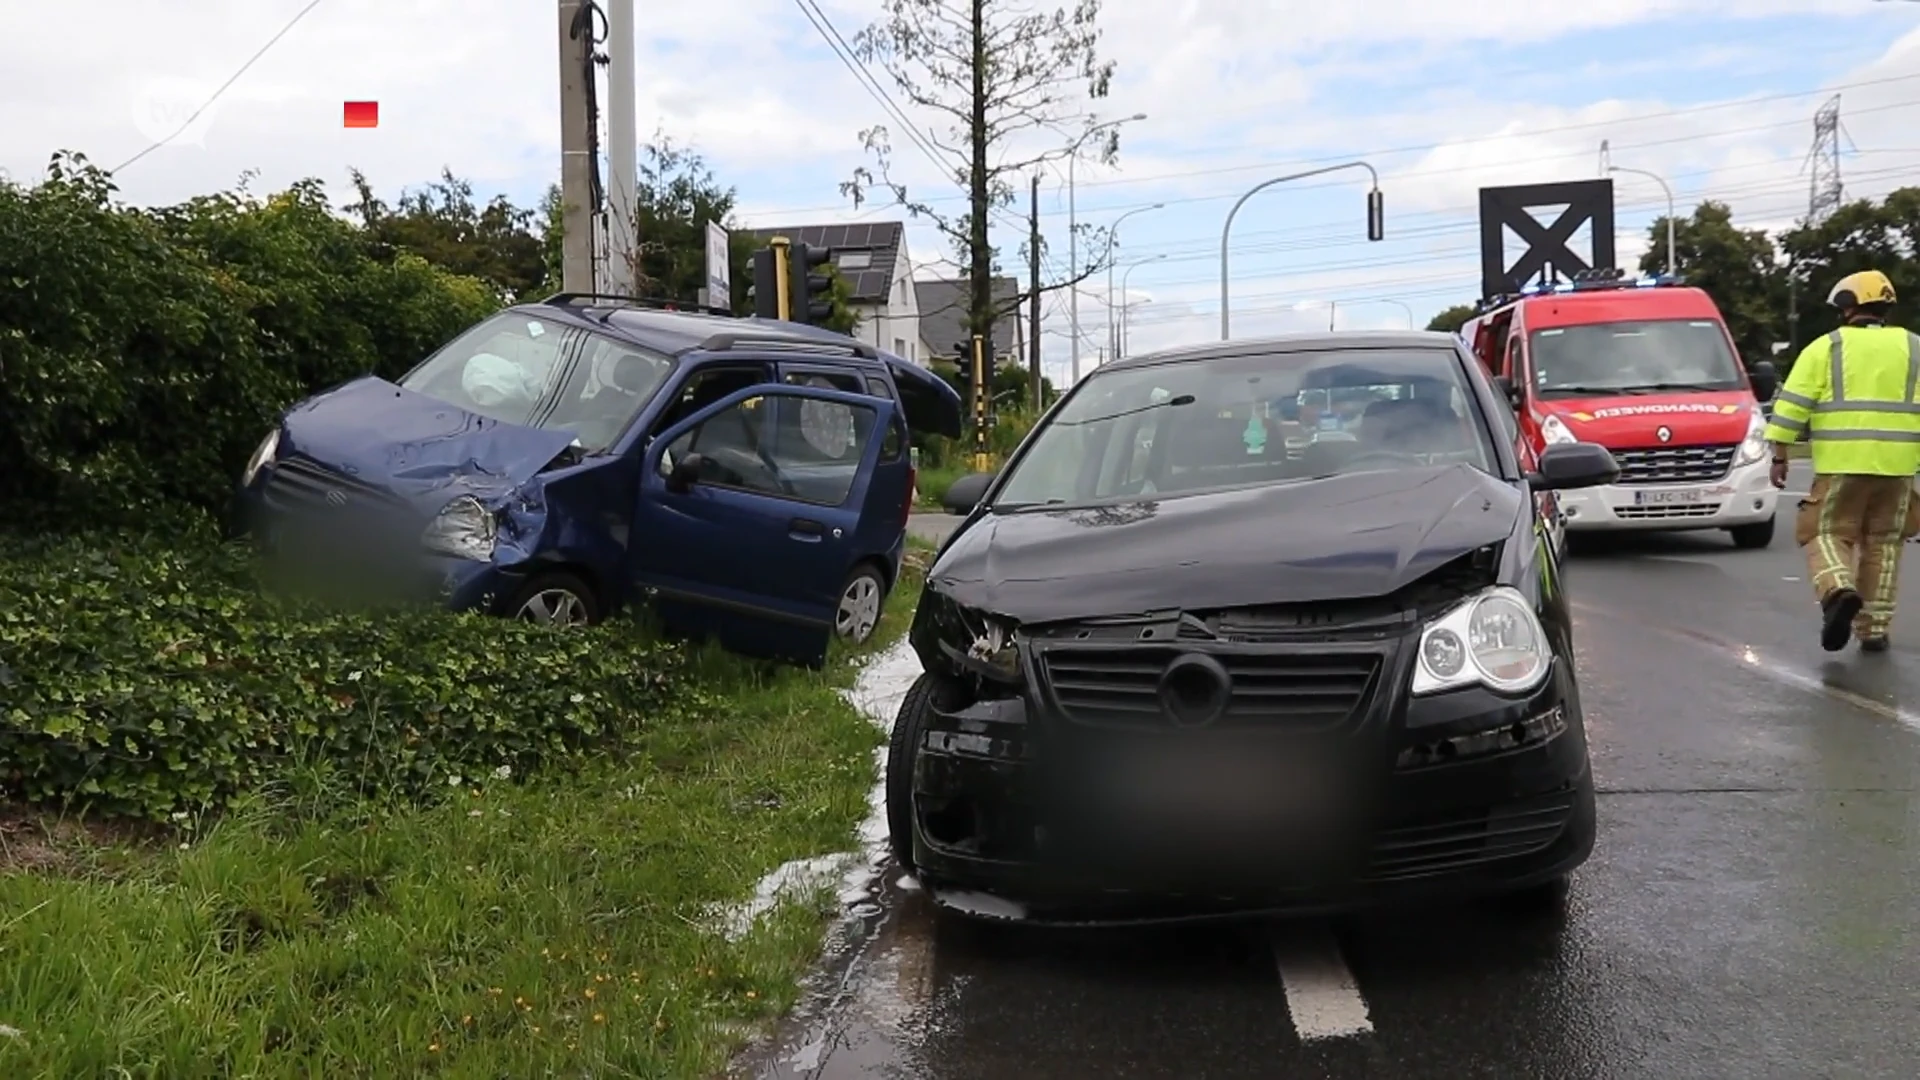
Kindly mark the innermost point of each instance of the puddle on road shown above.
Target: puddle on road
(877, 694)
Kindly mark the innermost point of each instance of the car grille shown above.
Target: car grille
(1675, 464)
(300, 486)
(1296, 691)
(1467, 841)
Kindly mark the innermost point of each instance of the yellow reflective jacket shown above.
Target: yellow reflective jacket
(1851, 395)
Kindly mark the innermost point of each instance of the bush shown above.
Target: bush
(143, 354)
(145, 679)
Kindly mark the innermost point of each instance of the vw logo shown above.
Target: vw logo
(1195, 689)
(337, 497)
(1664, 434)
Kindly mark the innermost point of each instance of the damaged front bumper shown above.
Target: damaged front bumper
(1320, 786)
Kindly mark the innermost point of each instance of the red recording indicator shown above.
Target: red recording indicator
(363, 114)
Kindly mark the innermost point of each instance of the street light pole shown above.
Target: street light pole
(1113, 336)
(1073, 236)
(1375, 227)
(1673, 267)
(1121, 343)
(1126, 317)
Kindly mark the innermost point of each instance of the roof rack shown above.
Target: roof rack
(724, 342)
(1585, 281)
(571, 299)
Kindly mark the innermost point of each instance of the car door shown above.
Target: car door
(753, 540)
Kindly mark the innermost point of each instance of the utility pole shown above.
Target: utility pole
(1033, 294)
(576, 155)
(623, 156)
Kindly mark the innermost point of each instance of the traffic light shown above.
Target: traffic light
(765, 290)
(810, 277)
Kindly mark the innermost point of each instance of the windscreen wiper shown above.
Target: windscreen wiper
(1663, 387)
(1183, 399)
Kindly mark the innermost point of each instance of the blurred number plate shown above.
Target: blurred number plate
(1670, 497)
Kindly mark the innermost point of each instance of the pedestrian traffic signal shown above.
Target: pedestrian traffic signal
(764, 293)
(810, 277)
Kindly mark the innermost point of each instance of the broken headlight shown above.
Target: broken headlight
(992, 650)
(464, 529)
(263, 456)
(1492, 640)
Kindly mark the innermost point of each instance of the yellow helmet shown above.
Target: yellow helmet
(1865, 287)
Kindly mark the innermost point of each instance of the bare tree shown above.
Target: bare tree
(1002, 75)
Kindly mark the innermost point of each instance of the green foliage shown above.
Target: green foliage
(145, 678)
(842, 318)
(495, 243)
(147, 351)
(1452, 319)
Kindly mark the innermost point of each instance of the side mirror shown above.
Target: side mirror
(686, 471)
(1504, 384)
(1566, 466)
(1765, 378)
(966, 492)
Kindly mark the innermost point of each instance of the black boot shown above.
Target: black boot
(1837, 612)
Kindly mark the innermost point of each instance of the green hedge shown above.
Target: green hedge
(145, 678)
(143, 353)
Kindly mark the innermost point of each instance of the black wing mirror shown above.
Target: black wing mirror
(1765, 378)
(966, 492)
(686, 471)
(1566, 466)
(1504, 384)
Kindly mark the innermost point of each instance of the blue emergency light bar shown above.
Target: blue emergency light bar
(1592, 281)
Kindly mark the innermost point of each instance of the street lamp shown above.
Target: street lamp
(1113, 230)
(1376, 218)
(1120, 343)
(1126, 309)
(1672, 266)
(1073, 244)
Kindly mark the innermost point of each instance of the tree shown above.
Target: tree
(1857, 236)
(999, 73)
(1452, 319)
(495, 243)
(1737, 267)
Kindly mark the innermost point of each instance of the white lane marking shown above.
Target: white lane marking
(1770, 667)
(1322, 995)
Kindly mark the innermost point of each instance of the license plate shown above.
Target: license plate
(1670, 497)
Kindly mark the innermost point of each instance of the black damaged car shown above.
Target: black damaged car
(1261, 626)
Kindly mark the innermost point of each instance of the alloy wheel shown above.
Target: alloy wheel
(556, 607)
(859, 609)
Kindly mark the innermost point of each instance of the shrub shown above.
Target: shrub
(144, 679)
(143, 354)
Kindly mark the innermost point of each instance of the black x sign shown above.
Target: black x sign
(1501, 208)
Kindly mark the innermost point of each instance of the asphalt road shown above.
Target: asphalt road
(1750, 910)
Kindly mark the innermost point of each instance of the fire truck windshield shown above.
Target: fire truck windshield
(1655, 356)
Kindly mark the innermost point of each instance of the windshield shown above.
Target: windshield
(508, 368)
(1247, 420)
(1630, 357)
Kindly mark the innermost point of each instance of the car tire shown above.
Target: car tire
(1752, 537)
(557, 598)
(927, 693)
(862, 600)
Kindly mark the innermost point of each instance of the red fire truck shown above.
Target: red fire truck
(1647, 369)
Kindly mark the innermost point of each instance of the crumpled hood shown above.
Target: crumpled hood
(421, 448)
(1633, 421)
(1345, 537)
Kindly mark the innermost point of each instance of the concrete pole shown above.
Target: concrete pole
(1033, 295)
(1073, 266)
(623, 155)
(576, 167)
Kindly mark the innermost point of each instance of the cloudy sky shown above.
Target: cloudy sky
(1442, 96)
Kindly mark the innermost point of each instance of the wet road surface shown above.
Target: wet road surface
(1750, 909)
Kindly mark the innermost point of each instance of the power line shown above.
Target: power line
(231, 79)
(1466, 141)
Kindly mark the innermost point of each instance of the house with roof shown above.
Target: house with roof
(943, 318)
(872, 257)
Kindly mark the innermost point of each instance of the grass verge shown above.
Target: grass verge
(553, 927)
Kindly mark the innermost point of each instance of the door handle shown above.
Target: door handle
(806, 529)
